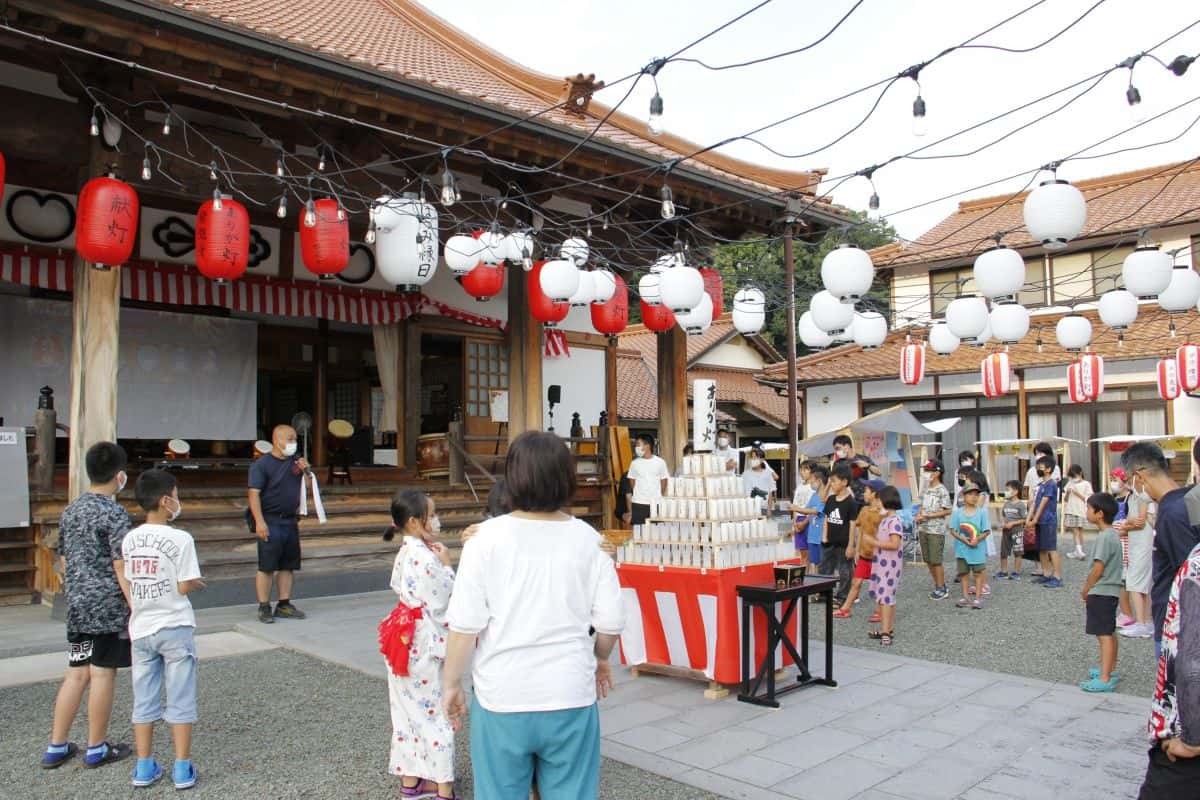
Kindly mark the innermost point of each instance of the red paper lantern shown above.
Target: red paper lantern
(106, 222)
(1168, 379)
(610, 318)
(1188, 367)
(714, 284)
(657, 318)
(222, 240)
(1091, 374)
(541, 307)
(995, 375)
(325, 245)
(912, 363)
(484, 282)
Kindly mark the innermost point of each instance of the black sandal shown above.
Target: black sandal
(885, 639)
(116, 752)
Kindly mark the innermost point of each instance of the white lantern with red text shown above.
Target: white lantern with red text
(1075, 392)
(1187, 361)
(1092, 374)
(912, 363)
(1168, 379)
(995, 375)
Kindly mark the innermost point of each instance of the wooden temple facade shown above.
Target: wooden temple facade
(385, 95)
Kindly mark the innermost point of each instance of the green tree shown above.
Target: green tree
(759, 262)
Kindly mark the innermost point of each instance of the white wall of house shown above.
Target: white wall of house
(581, 377)
(829, 407)
(1186, 411)
(736, 353)
(896, 388)
(1116, 373)
(910, 294)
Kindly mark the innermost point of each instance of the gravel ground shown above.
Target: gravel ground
(1023, 629)
(273, 725)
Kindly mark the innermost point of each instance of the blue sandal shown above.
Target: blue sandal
(56, 760)
(1095, 685)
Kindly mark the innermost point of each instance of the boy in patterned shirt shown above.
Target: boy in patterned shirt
(932, 524)
(90, 533)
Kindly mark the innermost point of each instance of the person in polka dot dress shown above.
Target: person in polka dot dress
(889, 560)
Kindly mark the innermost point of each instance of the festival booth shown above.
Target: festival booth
(1173, 447)
(991, 451)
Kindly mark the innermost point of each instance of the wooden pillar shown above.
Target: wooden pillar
(525, 400)
(410, 397)
(672, 395)
(610, 380)
(402, 380)
(793, 423)
(457, 446)
(1022, 406)
(320, 430)
(95, 339)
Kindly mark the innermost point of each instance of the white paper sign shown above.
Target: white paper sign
(704, 415)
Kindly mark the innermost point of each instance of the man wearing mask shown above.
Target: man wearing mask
(726, 450)
(648, 476)
(861, 467)
(759, 481)
(276, 481)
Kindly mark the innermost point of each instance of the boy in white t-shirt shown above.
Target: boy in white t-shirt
(162, 569)
(648, 475)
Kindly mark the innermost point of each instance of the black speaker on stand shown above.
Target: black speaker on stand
(553, 397)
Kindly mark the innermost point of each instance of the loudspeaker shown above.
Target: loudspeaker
(554, 394)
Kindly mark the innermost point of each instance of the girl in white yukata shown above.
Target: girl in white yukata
(413, 641)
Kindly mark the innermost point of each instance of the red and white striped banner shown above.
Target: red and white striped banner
(174, 285)
(692, 619)
(556, 344)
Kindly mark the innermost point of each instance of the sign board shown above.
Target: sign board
(704, 415)
(14, 479)
(499, 403)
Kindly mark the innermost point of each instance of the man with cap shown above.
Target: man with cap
(931, 523)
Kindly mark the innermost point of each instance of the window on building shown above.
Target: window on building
(1034, 292)
(487, 371)
(1071, 278)
(946, 284)
(1106, 268)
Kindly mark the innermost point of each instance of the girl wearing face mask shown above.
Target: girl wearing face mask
(413, 640)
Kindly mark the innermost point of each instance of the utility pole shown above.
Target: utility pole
(789, 266)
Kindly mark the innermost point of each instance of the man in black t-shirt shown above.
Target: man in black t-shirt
(862, 468)
(841, 509)
(276, 480)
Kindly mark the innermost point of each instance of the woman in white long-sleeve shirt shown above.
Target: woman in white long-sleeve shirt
(529, 586)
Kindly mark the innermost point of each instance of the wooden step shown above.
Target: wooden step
(14, 569)
(17, 545)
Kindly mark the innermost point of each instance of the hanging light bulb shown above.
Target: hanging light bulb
(281, 211)
(279, 167)
(146, 173)
(589, 229)
(94, 128)
(504, 204)
(166, 130)
(310, 213)
(873, 205)
(341, 213)
(217, 204)
(668, 202)
(1121, 339)
(321, 159)
(1173, 332)
(604, 225)
(370, 237)
(920, 125)
(1137, 112)
(655, 123)
(212, 170)
(450, 193)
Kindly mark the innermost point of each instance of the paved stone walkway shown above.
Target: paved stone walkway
(895, 727)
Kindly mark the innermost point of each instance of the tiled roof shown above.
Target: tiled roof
(403, 40)
(645, 341)
(1148, 337)
(739, 386)
(637, 390)
(1120, 203)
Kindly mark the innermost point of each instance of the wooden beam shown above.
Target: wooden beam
(672, 395)
(610, 380)
(402, 380)
(410, 401)
(320, 430)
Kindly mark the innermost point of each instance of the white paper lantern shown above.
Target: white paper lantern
(999, 272)
(942, 340)
(813, 337)
(663, 263)
(847, 273)
(1182, 292)
(984, 336)
(649, 289)
(518, 247)
(1118, 309)
(463, 253)
(870, 329)
(846, 336)
(696, 320)
(606, 285)
(1009, 322)
(575, 250)
(1074, 332)
(830, 314)
(681, 288)
(559, 280)
(1055, 213)
(406, 241)
(495, 247)
(749, 311)
(1146, 272)
(967, 316)
(585, 295)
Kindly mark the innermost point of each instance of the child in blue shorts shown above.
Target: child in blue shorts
(1044, 514)
(161, 569)
(819, 479)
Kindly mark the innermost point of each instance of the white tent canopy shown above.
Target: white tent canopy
(896, 419)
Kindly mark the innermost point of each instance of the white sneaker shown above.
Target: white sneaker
(1079, 553)
(1138, 631)
(1072, 554)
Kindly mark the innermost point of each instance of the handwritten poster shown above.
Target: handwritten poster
(873, 447)
(704, 415)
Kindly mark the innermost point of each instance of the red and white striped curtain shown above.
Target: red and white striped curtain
(556, 344)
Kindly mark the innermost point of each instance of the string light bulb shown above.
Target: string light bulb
(279, 167)
(341, 213)
(310, 213)
(604, 224)
(1120, 339)
(873, 206)
(166, 129)
(217, 204)
(1039, 343)
(281, 210)
(668, 202)
(212, 170)
(589, 229)
(655, 121)
(450, 193)
(321, 159)
(920, 125)
(146, 173)
(94, 128)
(1137, 112)
(1174, 333)
(504, 204)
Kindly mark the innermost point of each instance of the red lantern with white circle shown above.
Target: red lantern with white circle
(1187, 359)
(484, 282)
(222, 240)
(106, 222)
(995, 375)
(611, 317)
(325, 245)
(1168, 379)
(541, 307)
(714, 284)
(912, 363)
(657, 318)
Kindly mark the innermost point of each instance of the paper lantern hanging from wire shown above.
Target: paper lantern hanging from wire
(995, 375)
(749, 310)
(222, 239)
(657, 318)
(1055, 213)
(325, 244)
(106, 222)
(611, 316)
(1167, 373)
(484, 282)
(541, 307)
(1187, 359)
(847, 273)
(912, 363)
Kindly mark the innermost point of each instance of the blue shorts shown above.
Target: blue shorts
(800, 541)
(167, 656)
(1047, 537)
(814, 552)
(564, 746)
